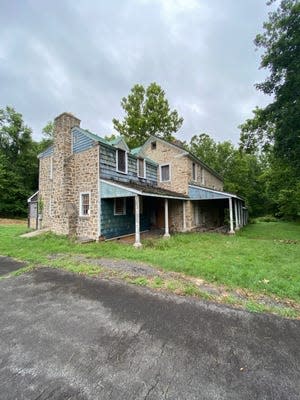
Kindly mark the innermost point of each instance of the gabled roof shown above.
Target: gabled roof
(183, 150)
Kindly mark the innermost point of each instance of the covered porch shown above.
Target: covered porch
(131, 208)
(213, 208)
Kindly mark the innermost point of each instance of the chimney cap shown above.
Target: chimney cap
(67, 114)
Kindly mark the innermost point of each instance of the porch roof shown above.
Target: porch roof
(203, 193)
(111, 189)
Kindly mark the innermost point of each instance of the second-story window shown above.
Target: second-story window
(141, 167)
(121, 161)
(165, 173)
(202, 176)
(194, 171)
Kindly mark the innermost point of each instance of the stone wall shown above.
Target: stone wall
(175, 157)
(181, 168)
(71, 175)
(176, 215)
(63, 219)
(45, 190)
(203, 176)
(86, 179)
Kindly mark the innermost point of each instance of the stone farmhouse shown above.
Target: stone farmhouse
(95, 189)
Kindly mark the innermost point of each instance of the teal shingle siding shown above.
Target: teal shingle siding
(81, 141)
(46, 153)
(108, 167)
(119, 225)
(151, 171)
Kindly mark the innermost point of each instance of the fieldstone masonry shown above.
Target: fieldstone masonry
(71, 175)
(180, 178)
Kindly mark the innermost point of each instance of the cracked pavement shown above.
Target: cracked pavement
(66, 336)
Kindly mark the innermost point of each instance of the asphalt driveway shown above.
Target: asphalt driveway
(64, 336)
(9, 265)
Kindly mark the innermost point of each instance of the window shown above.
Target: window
(51, 168)
(121, 161)
(194, 171)
(141, 167)
(202, 176)
(165, 173)
(84, 204)
(153, 145)
(120, 206)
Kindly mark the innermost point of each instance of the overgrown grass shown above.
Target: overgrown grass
(263, 257)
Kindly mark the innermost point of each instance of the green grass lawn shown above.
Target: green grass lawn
(263, 257)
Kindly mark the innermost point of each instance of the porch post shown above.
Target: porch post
(184, 215)
(241, 214)
(167, 234)
(236, 215)
(231, 216)
(137, 242)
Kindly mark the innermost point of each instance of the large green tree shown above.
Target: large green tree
(276, 128)
(18, 163)
(243, 173)
(147, 112)
(279, 122)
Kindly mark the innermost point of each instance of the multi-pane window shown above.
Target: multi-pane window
(121, 161)
(120, 206)
(165, 173)
(194, 171)
(141, 168)
(84, 204)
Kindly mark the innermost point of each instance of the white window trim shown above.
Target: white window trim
(124, 206)
(138, 170)
(196, 170)
(126, 162)
(80, 204)
(202, 176)
(160, 167)
(51, 168)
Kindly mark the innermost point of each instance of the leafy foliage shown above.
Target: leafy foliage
(243, 173)
(147, 112)
(275, 129)
(18, 163)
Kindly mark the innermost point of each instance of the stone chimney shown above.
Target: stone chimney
(63, 205)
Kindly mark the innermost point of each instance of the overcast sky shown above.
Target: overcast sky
(84, 56)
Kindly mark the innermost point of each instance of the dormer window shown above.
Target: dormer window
(141, 168)
(121, 161)
(153, 145)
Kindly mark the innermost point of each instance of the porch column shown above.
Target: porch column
(167, 234)
(184, 215)
(241, 214)
(231, 216)
(137, 242)
(236, 215)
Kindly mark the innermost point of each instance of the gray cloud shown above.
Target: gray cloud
(84, 56)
